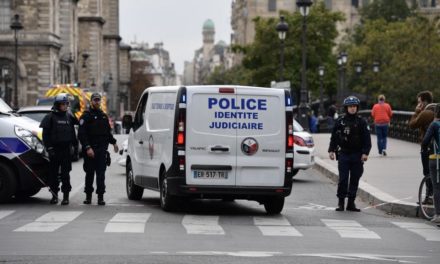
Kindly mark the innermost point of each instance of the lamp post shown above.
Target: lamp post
(304, 8)
(375, 68)
(321, 72)
(282, 28)
(342, 61)
(16, 26)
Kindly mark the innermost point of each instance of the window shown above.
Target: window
(272, 5)
(355, 3)
(139, 116)
(423, 3)
(433, 3)
(5, 15)
(329, 4)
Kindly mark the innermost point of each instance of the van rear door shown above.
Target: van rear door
(261, 147)
(211, 145)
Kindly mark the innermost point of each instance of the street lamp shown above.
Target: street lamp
(342, 61)
(16, 26)
(375, 68)
(321, 72)
(304, 6)
(282, 28)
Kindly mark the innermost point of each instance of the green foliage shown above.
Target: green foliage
(409, 53)
(390, 10)
(236, 75)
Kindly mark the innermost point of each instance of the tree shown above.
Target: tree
(390, 10)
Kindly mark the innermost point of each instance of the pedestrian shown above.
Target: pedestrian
(350, 144)
(421, 119)
(382, 114)
(331, 116)
(58, 137)
(433, 134)
(95, 136)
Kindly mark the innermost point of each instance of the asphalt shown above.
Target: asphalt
(389, 183)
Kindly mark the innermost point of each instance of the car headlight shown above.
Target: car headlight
(30, 139)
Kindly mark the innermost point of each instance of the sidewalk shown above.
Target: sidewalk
(389, 183)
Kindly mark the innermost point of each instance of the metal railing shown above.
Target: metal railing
(399, 126)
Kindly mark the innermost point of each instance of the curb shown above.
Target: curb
(370, 194)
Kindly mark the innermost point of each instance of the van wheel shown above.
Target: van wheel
(134, 192)
(274, 205)
(8, 182)
(168, 202)
(27, 193)
(295, 172)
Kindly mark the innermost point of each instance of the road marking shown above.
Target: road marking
(428, 232)
(252, 254)
(5, 213)
(50, 221)
(202, 225)
(127, 223)
(275, 226)
(350, 229)
(361, 256)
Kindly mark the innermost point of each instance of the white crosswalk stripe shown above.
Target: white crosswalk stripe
(350, 229)
(127, 223)
(50, 221)
(202, 225)
(275, 226)
(4, 213)
(430, 233)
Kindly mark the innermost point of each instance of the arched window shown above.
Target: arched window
(5, 15)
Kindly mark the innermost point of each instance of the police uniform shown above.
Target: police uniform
(95, 132)
(58, 136)
(350, 140)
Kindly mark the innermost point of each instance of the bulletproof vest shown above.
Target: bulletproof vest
(62, 130)
(97, 124)
(350, 134)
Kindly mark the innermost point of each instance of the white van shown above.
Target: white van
(221, 142)
(23, 161)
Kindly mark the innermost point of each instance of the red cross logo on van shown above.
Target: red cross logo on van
(249, 146)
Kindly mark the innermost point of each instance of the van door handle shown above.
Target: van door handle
(141, 142)
(220, 148)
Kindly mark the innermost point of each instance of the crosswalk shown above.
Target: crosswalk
(205, 225)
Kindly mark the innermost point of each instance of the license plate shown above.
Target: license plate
(210, 174)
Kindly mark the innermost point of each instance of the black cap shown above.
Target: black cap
(95, 95)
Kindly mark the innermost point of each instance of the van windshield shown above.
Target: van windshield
(4, 107)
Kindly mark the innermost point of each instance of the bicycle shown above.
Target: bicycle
(426, 201)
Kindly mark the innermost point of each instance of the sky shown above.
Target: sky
(176, 23)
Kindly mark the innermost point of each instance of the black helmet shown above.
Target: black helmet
(61, 98)
(95, 95)
(352, 100)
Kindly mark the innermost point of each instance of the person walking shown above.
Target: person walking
(58, 137)
(350, 144)
(421, 119)
(382, 114)
(433, 135)
(95, 136)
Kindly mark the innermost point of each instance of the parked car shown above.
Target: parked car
(38, 113)
(304, 149)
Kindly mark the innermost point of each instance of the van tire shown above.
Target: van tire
(134, 192)
(8, 182)
(168, 202)
(274, 205)
(295, 172)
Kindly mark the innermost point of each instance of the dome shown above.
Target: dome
(208, 25)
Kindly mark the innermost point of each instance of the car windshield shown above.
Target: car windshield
(297, 127)
(37, 116)
(4, 107)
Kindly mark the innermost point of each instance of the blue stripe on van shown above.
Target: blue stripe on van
(14, 144)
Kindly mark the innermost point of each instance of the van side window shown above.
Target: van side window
(139, 116)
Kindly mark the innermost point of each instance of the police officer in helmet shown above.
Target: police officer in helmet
(58, 137)
(95, 136)
(350, 143)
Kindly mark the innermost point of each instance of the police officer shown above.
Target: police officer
(351, 143)
(95, 135)
(58, 137)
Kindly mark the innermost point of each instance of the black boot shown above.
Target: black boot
(351, 206)
(65, 200)
(54, 199)
(341, 205)
(101, 199)
(88, 199)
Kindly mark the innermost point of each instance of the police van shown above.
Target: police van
(220, 142)
(23, 160)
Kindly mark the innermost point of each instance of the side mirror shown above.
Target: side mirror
(127, 122)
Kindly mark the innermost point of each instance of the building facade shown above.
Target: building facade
(62, 41)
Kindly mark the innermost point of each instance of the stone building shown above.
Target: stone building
(62, 41)
(207, 58)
